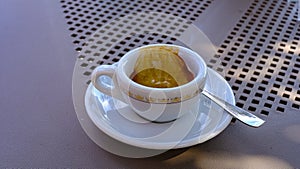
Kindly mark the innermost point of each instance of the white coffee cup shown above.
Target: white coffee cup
(154, 104)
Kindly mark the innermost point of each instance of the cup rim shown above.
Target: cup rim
(198, 80)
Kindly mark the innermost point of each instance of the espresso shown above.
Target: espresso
(161, 67)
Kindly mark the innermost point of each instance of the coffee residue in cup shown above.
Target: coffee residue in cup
(161, 67)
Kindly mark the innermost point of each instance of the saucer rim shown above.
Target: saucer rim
(117, 135)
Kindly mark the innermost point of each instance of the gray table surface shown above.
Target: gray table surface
(38, 123)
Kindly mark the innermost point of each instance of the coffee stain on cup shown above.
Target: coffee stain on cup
(161, 67)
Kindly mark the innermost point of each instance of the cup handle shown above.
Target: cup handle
(111, 90)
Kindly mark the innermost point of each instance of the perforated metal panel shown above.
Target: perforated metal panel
(260, 56)
(85, 17)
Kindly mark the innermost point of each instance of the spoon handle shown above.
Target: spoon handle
(242, 115)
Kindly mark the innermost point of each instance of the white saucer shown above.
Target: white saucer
(117, 120)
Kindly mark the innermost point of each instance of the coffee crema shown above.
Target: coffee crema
(161, 67)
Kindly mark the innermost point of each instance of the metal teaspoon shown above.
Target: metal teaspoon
(241, 114)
